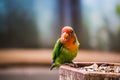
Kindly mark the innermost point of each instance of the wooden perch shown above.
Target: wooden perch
(76, 73)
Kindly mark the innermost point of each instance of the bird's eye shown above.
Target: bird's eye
(71, 31)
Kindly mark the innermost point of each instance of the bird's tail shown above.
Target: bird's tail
(52, 66)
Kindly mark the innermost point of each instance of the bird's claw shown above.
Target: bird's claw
(71, 64)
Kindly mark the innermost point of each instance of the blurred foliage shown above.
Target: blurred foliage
(118, 9)
(37, 23)
(20, 26)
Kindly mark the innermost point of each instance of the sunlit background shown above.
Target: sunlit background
(30, 28)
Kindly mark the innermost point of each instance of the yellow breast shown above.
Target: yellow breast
(72, 44)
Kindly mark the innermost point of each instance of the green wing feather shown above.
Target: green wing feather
(56, 51)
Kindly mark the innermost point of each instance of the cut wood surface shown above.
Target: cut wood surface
(67, 72)
(44, 56)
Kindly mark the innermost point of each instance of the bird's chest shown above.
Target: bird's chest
(68, 55)
(72, 45)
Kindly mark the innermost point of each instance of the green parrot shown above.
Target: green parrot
(66, 47)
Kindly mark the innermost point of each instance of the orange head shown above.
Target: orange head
(69, 39)
(66, 34)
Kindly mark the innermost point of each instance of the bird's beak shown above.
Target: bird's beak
(64, 36)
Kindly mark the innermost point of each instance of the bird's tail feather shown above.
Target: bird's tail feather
(52, 66)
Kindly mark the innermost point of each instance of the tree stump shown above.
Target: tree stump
(83, 71)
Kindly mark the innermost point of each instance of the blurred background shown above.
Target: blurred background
(30, 28)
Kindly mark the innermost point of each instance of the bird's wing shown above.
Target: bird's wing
(56, 50)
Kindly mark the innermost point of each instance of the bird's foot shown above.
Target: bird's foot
(71, 64)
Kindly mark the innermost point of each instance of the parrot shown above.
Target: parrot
(66, 47)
